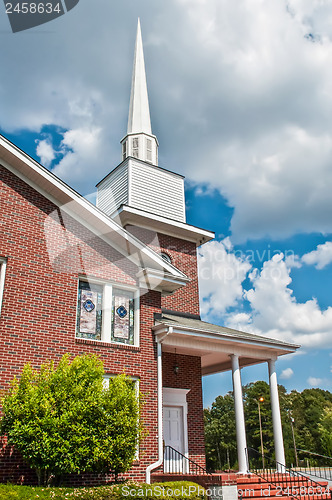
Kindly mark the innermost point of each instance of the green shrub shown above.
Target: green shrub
(63, 420)
(191, 491)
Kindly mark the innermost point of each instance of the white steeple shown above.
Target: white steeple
(139, 141)
(139, 112)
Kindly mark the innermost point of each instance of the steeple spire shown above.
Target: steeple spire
(139, 141)
(139, 112)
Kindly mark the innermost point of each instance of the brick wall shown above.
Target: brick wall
(184, 257)
(46, 251)
(188, 377)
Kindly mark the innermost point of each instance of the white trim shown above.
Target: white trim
(222, 336)
(130, 174)
(128, 215)
(106, 333)
(178, 397)
(3, 265)
(159, 462)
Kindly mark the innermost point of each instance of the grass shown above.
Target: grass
(132, 491)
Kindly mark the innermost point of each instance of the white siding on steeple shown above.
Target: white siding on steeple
(144, 187)
(156, 191)
(113, 190)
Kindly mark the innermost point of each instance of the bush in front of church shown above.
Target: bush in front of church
(64, 420)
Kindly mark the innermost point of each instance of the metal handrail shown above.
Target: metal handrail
(180, 464)
(312, 453)
(288, 481)
(317, 470)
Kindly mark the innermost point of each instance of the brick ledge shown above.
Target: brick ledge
(110, 345)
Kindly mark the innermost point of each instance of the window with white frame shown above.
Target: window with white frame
(3, 263)
(135, 147)
(124, 150)
(107, 312)
(149, 149)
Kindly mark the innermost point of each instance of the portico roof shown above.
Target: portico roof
(187, 334)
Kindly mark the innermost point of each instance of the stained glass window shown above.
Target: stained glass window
(123, 316)
(89, 317)
(105, 313)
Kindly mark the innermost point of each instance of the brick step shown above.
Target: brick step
(253, 486)
(264, 485)
(257, 485)
(272, 497)
(272, 491)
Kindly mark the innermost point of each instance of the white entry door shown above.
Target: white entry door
(174, 437)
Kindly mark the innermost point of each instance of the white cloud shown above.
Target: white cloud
(286, 374)
(277, 313)
(321, 257)
(314, 381)
(249, 98)
(45, 152)
(257, 116)
(272, 149)
(221, 274)
(274, 310)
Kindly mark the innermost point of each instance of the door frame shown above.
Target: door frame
(178, 397)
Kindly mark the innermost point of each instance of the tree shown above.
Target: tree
(64, 420)
(325, 430)
(253, 393)
(220, 435)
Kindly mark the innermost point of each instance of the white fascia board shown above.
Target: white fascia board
(59, 193)
(160, 281)
(222, 337)
(129, 215)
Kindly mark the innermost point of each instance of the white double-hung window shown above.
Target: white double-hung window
(108, 312)
(3, 263)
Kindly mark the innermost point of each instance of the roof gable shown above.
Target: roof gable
(154, 271)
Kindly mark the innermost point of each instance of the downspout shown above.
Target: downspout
(160, 416)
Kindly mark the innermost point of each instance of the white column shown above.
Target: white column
(239, 416)
(276, 419)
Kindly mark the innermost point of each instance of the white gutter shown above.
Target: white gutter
(160, 416)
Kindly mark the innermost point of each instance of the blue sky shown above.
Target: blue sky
(241, 102)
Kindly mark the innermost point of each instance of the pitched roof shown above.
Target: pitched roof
(164, 276)
(190, 323)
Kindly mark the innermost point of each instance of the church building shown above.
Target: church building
(120, 280)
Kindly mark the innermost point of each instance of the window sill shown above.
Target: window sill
(111, 345)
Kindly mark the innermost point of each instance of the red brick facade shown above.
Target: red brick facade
(47, 251)
(184, 256)
(188, 377)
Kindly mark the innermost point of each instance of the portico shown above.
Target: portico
(223, 349)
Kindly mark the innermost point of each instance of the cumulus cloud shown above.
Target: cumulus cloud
(286, 374)
(45, 152)
(273, 309)
(314, 381)
(321, 257)
(277, 313)
(270, 154)
(258, 114)
(221, 274)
